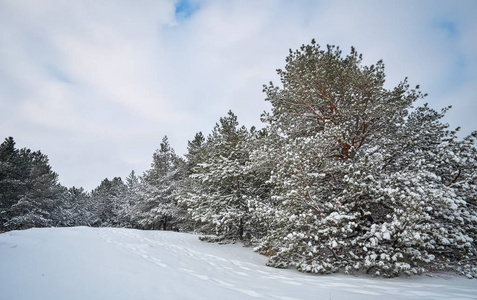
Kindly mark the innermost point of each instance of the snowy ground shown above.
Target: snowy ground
(87, 263)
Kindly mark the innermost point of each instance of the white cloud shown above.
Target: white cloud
(96, 84)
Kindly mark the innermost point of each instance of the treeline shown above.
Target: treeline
(345, 176)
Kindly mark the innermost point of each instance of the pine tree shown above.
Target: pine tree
(127, 210)
(222, 186)
(79, 208)
(107, 199)
(359, 182)
(185, 186)
(30, 193)
(14, 171)
(195, 152)
(158, 208)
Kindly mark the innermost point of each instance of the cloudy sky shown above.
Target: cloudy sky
(95, 85)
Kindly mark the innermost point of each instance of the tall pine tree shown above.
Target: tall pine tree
(361, 181)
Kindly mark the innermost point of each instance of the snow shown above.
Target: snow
(106, 263)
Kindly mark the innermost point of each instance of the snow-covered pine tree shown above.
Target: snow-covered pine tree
(79, 208)
(222, 186)
(195, 152)
(358, 182)
(107, 199)
(31, 194)
(157, 207)
(185, 186)
(126, 212)
(14, 172)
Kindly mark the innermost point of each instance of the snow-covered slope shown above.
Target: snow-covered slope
(87, 263)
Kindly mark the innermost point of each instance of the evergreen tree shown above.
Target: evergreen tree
(158, 207)
(126, 213)
(14, 171)
(80, 209)
(30, 193)
(185, 185)
(195, 152)
(222, 187)
(359, 183)
(107, 199)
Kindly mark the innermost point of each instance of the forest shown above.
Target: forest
(345, 176)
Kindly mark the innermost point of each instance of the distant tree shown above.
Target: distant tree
(126, 213)
(80, 209)
(107, 199)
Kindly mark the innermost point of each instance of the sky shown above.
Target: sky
(96, 85)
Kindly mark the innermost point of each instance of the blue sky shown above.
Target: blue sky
(96, 84)
(185, 9)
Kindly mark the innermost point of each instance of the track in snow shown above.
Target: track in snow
(110, 263)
